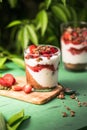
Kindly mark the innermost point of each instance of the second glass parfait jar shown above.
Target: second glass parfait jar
(74, 45)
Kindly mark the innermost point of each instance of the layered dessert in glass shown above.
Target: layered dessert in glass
(74, 45)
(42, 63)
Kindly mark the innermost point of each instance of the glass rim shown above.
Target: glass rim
(58, 52)
(72, 22)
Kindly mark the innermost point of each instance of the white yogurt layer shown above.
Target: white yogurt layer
(54, 60)
(68, 57)
(45, 77)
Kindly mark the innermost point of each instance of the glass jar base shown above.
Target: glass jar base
(44, 90)
(75, 67)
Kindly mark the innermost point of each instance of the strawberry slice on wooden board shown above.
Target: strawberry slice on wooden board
(17, 88)
(27, 89)
(7, 80)
(2, 82)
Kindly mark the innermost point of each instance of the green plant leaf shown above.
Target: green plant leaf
(23, 37)
(73, 13)
(9, 127)
(3, 67)
(2, 122)
(51, 39)
(2, 61)
(47, 3)
(64, 2)
(42, 20)
(15, 126)
(59, 13)
(15, 120)
(14, 23)
(65, 10)
(32, 34)
(83, 15)
(19, 41)
(18, 61)
(16, 117)
(3, 51)
(12, 3)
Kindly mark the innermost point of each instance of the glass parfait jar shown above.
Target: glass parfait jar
(42, 63)
(74, 45)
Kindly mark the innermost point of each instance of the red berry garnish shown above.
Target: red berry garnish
(67, 37)
(77, 41)
(74, 34)
(31, 48)
(27, 89)
(42, 50)
(53, 50)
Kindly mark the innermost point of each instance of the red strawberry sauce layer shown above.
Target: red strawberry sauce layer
(76, 36)
(39, 67)
(38, 52)
(77, 51)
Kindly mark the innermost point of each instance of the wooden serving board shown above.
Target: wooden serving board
(33, 97)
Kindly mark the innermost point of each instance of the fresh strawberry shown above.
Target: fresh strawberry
(31, 48)
(9, 79)
(27, 89)
(2, 82)
(53, 50)
(17, 88)
(77, 41)
(74, 34)
(67, 37)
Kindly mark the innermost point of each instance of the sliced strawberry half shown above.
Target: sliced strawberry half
(53, 50)
(74, 34)
(9, 79)
(2, 82)
(27, 89)
(17, 88)
(31, 48)
(67, 37)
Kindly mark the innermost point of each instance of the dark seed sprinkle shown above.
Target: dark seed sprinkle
(64, 114)
(72, 113)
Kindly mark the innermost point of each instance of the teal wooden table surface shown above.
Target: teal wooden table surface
(49, 116)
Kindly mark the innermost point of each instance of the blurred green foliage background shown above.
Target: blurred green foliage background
(25, 22)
